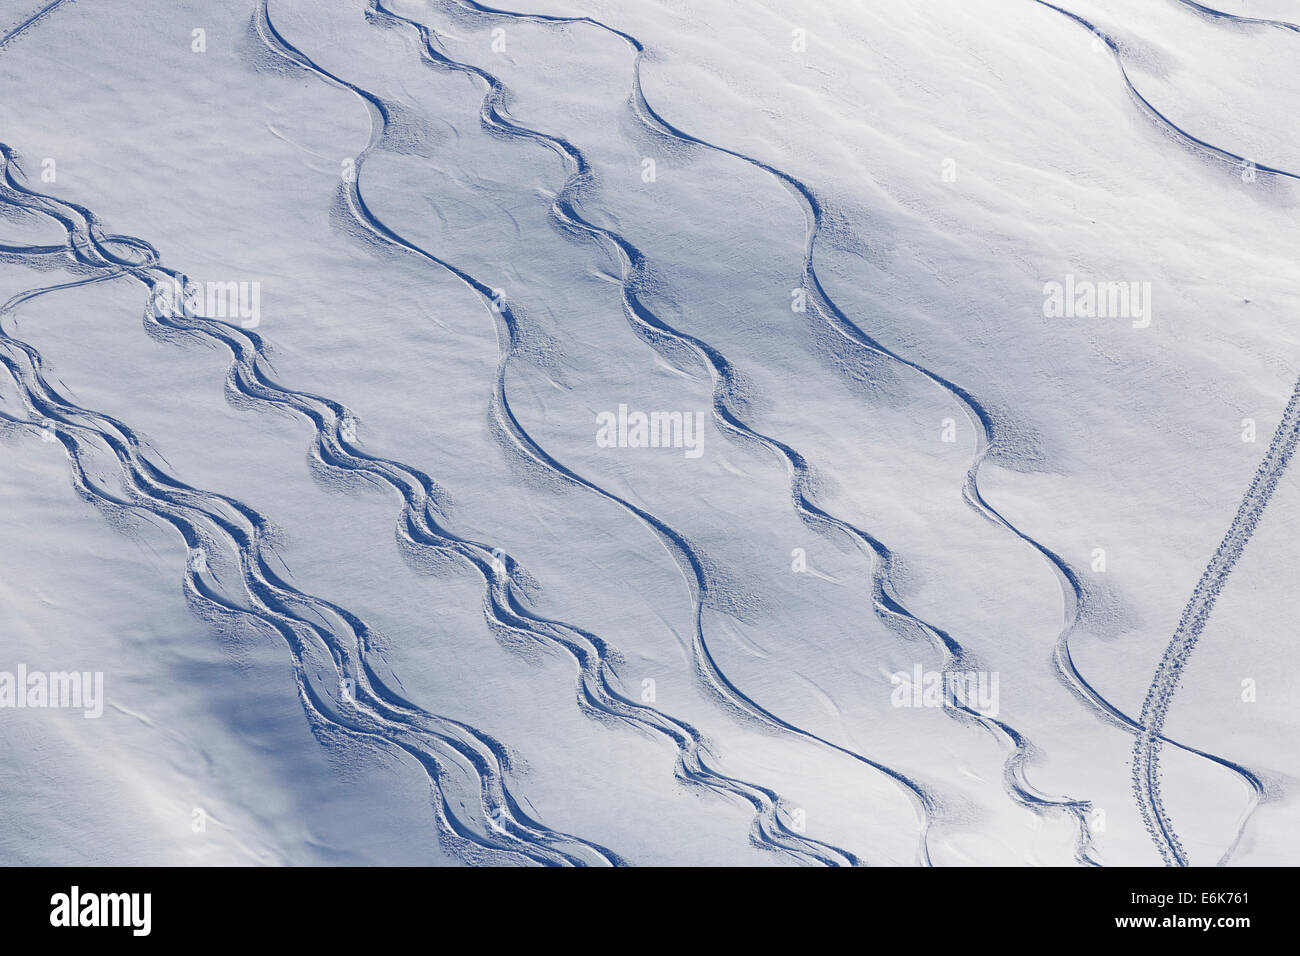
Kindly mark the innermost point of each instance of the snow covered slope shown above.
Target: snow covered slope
(611, 431)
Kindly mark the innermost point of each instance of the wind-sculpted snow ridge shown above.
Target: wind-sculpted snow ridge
(886, 605)
(770, 831)
(341, 695)
(1195, 142)
(1149, 729)
(1155, 708)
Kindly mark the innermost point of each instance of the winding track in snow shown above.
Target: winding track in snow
(632, 263)
(674, 542)
(370, 713)
(1164, 684)
(1237, 18)
(31, 21)
(1204, 146)
(1149, 728)
(1150, 733)
(1252, 505)
(251, 378)
(1148, 737)
(888, 607)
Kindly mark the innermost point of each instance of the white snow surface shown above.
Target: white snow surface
(366, 584)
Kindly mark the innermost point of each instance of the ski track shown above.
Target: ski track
(1235, 18)
(250, 378)
(649, 326)
(1149, 728)
(1190, 139)
(677, 546)
(1071, 585)
(886, 605)
(204, 520)
(376, 714)
(31, 21)
(418, 528)
(1164, 684)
